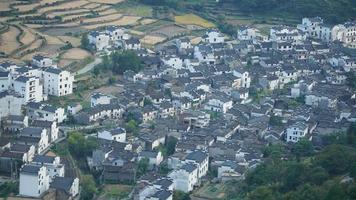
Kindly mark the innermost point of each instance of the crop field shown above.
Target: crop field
(191, 19)
(152, 39)
(52, 24)
(28, 36)
(107, 1)
(147, 21)
(66, 12)
(139, 10)
(73, 40)
(123, 21)
(75, 54)
(5, 5)
(8, 41)
(170, 31)
(27, 7)
(108, 12)
(63, 6)
(91, 6)
(196, 40)
(102, 19)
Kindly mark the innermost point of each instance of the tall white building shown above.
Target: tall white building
(34, 180)
(185, 177)
(53, 164)
(99, 40)
(296, 131)
(41, 61)
(28, 87)
(315, 28)
(57, 82)
(345, 33)
(10, 103)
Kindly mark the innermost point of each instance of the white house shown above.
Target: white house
(345, 33)
(185, 177)
(68, 185)
(296, 131)
(214, 36)
(201, 159)
(4, 81)
(218, 103)
(284, 34)
(117, 134)
(34, 180)
(99, 40)
(247, 33)
(57, 82)
(28, 87)
(50, 126)
(74, 108)
(52, 163)
(184, 43)
(10, 103)
(243, 78)
(173, 61)
(132, 43)
(99, 99)
(315, 28)
(34, 136)
(42, 61)
(155, 157)
(230, 170)
(38, 111)
(117, 33)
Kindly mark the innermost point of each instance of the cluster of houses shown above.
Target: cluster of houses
(222, 100)
(113, 37)
(29, 127)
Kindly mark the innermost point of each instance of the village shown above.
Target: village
(198, 112)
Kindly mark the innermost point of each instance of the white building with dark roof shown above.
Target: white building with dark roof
(42, 61)
(57, 82)
(296, 131)
(69, 186)
(99, 40)
(53, 164)
(34, 180)
(185, 177)
(117, 134)
(28, 87)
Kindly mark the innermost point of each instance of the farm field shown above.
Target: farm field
(191, 19)
(46, 26)
(8, 41)
(152, 39)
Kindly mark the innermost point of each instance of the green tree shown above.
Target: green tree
(336, 159)
(302, 148)
(131, 126)
(351, 134)
(261, 193)
(171, 144)
(142, 166)
(89, 188)
(178, 195)
(79, 146)
(85, 42)
(125, 60)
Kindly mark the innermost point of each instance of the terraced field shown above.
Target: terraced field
(47, 26)
(8, 40)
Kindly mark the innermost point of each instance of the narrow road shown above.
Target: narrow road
(89, 66)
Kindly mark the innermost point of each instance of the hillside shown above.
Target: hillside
(303, 174)
(332, 10)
